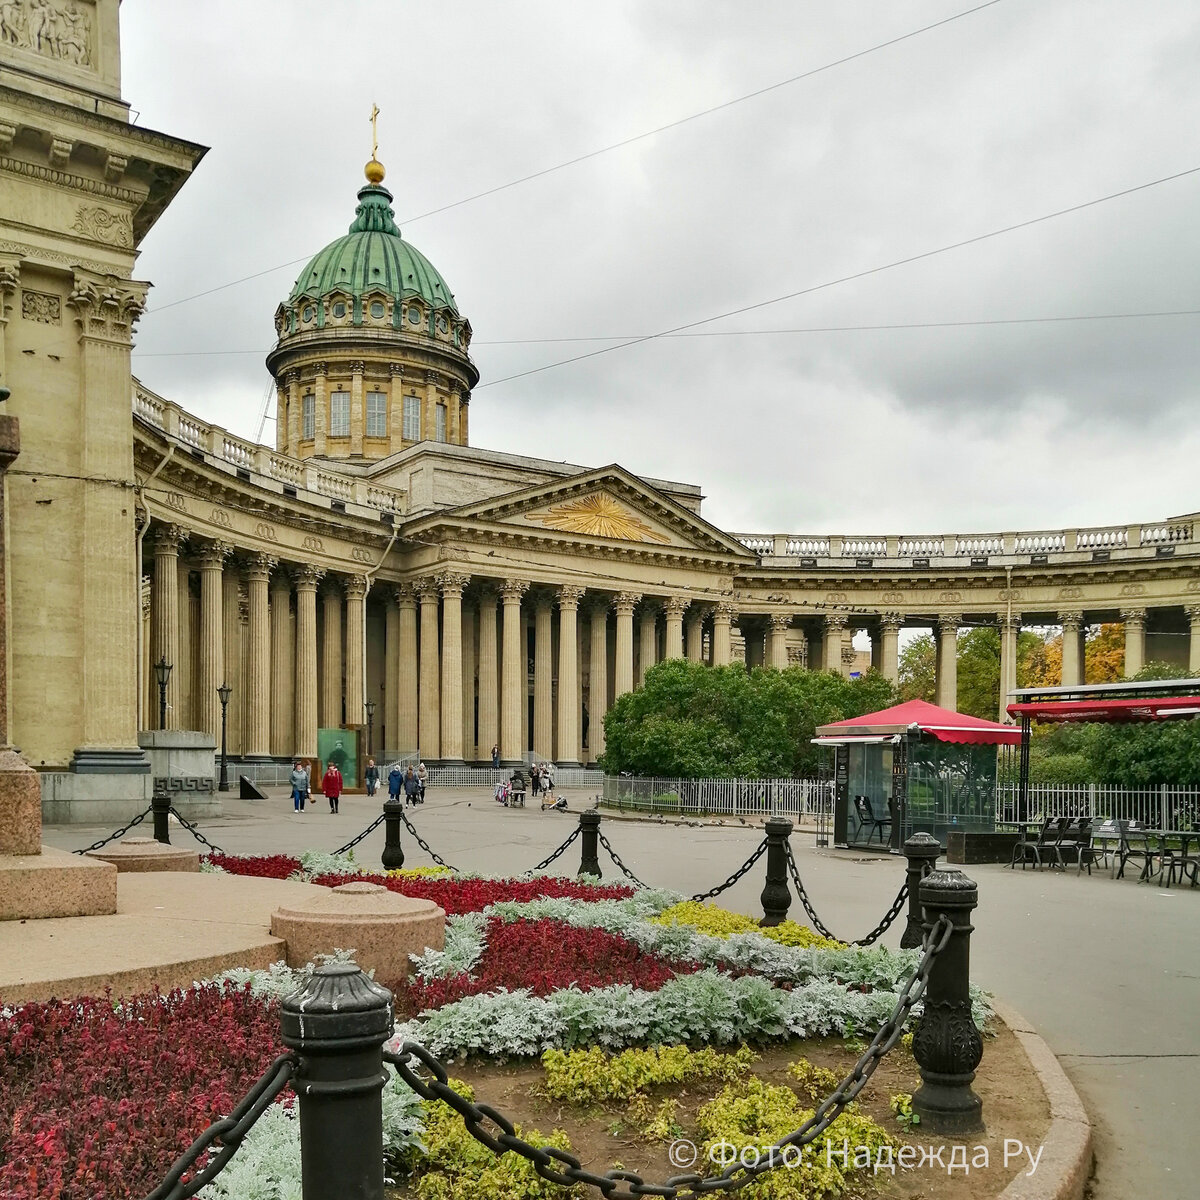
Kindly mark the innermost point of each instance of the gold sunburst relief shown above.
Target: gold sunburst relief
(598, 516)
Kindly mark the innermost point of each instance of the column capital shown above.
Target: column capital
(169, 538)
(835, 621)
(331, 585)
(598, 606)
(780, 622)
(289, 379)
(396, 369)
(405, 596)
(1007, 620)
(949, 622)
(1133, 616)
(650, 606)
(452, 585)
(431, 377)
(1193, 613)
(1070, 620)
(356, 366)
(513, 589)
(544, 600)
(259, 567)
(212, 555)
(724, 610)
(892, 622)
(626, 602)
(282, 579)
(319, 368)
(676, 606)
(569, 596)
(307, 576)
(487, 592)
(356, 587)
(107, 307)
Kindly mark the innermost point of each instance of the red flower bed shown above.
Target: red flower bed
(263, 866)
(471, 895)
(96, 1103)
(544, 956)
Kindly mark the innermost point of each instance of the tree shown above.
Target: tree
(693, 721)
(1104, 654)
(918, 669)
(979, 673)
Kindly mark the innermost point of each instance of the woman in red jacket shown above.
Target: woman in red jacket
(331, 785)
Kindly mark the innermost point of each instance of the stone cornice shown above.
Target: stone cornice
(61, 177)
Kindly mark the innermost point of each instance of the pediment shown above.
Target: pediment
(607, 506)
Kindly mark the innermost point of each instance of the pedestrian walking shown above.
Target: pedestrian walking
(412, 787)
(331, 785)
(422, 779)
(372, 777)
(535, 780)
(395, 782)
(299, 782)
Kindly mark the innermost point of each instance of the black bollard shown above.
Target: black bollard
(922, 852)
(393, 852)
(776, 898)
(160, 807)
(589, 859)
(946, 1045)
(338, 1024)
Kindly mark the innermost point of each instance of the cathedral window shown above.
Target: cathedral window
(339, 309)
(376, 414)
(310, 417)
(441, 422)
(412, 419)
(339, 414)
(377, 310)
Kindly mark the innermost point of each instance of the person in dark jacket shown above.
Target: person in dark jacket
(395, 782)
(331, 785)
(412, 787)
(372, 777)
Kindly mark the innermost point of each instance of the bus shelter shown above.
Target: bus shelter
(912, 768)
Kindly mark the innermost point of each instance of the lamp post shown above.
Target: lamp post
(162, 672)
(224, 692)
(370, 707)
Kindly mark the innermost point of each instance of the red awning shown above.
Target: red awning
(940, 723)
(1108, 711)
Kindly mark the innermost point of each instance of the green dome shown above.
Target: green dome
(373, 257)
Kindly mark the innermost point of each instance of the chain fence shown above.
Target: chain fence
(564, 1169)
(555, 853)
(375, 824)
(892, 913)
(437, 858)
(112, 837)
(194, 831)
(710, 894)
(228, 1132)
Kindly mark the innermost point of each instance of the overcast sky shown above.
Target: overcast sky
(1007, 114)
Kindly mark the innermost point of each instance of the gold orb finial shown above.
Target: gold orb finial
(374, 171)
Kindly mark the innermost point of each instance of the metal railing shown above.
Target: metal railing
(1157, 806)
(468, 777)
(799, 799)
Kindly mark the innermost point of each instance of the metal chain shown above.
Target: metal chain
(369, 829)
(713, 892)
(620, 865)
(229, 1132)
(892, 913)
(437, 858)
(112, 837)
(563, 1168)
(547, 861)
(194, 831)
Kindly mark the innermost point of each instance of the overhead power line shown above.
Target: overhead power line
(830, 283)
(705, 333)
(629, 141)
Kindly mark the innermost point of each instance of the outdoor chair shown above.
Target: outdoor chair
(866, 816)
(1075, 844)
(1184, 862)
(1041, 847)
(1134, 844)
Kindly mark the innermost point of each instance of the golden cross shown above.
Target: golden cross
(374, 132)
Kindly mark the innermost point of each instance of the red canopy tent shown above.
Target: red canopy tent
(939, 723)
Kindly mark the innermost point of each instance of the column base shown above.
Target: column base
(569, 763)
(507, 764)
(447, 762)
(132, 761)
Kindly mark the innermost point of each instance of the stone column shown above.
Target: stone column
(164, 610)
(391, 677)
(647, 639)
(798, 650)
(283, 668)
(568, 676)
(1193, 616)
(464, 412)
(694, 633)
(430, 430)
(512, 699)
(1072, 648)
(543, 683)
(452, 668)
(489, 683)
(623, 667)
(408, 734)
(212, 659)
(147, 686)
(722, 649)
(330, 713)
(321, 404)
(1010, 631)
(777, 656)
(470, 753)
(295, 421)
(185, 668)
(356, 650)
(832, 639)
(358, 420)
(597, 679)
(231, 603)
(947, 660)
(1135, 640)
(676, 606)
(396, 405)
(452, 417)
(429, 731)
(307, 578)
(258, 657)
(889, 645)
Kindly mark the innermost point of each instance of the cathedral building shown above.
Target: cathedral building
(373, 567)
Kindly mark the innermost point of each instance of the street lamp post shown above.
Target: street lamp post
(224, 692)
(162, 672)
(370, 707)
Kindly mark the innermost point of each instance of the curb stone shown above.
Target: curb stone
(1067, 1156)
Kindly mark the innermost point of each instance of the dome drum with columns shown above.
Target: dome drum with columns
(372, 351)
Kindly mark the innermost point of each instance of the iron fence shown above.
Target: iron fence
(1157, 806)
(464, 777)
(798, 799)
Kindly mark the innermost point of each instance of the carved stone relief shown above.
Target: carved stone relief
(101, 225)
(41, 307)
(60, 29)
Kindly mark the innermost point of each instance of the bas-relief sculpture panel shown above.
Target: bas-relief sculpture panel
(598, 516)
(60, 29)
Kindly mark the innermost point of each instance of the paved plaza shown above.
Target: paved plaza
(1108, 971)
